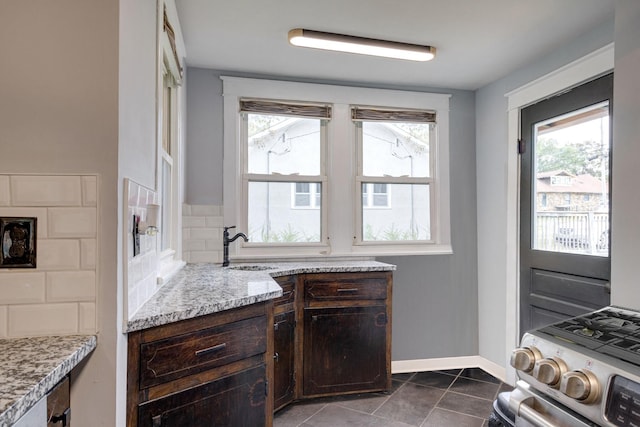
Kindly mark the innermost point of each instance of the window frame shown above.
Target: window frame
(339, 192)
(169, 69)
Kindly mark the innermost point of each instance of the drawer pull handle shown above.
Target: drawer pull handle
(211, 349)
(345, 290)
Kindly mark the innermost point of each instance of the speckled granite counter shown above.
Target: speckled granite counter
(200, 289)
(30, 367)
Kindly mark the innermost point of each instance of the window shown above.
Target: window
(318, 170)
(169, 140)
(394, 148)
(284, 146)
(375, 195)
(306, 195)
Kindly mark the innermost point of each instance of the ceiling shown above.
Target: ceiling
(477, 41)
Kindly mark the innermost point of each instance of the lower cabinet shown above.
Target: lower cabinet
(234, 400)
(213, 370)
(332, 335)
(344, 350)
(283, 359)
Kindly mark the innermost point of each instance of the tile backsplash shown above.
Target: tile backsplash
(59, 295)
(202, 227)
(141, 275)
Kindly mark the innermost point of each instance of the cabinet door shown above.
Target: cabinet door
(235, 400)
(344, 350)
(283, 367)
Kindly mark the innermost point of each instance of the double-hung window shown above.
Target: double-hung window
(394, 171)
(284, 146)
(317, 171)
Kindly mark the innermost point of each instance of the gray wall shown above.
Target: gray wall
(435, 297)
(491, 161)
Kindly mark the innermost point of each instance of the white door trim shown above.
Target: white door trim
(595, 64)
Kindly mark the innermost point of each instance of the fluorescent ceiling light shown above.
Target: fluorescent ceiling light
(361, 45)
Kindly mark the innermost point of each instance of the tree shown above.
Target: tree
(587, 157)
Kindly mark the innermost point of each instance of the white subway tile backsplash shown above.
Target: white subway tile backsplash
(72, 222)
(209, 234)
(36, 190)
(186, 210)
(21, 288)
(39, 213)
(88, 254)
(66, 286)
(214, 221)
(194, 222)
(205, 210)
(87, 315)
(89, 190)
(58, 297)
(213, 245)
(58, 254)
(205, 256)
(42, 319)
(3, 321)
(194, 245)
(5, 191)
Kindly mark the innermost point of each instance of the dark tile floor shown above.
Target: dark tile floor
(452, 398)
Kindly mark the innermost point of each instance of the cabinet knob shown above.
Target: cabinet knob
(276, 356)
(64, 418)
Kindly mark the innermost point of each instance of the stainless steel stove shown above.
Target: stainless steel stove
(584, 371)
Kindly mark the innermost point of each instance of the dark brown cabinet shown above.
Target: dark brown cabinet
(344, 350)
(332, 335)
(284, 336)
(347, 333)
(205, 371)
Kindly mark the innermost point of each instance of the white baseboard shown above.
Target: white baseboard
(422, 365)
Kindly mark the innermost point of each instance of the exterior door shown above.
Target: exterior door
(564, 204)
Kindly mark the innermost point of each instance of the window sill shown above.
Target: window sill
(359, 251)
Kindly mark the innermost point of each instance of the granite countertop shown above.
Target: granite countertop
(200, 289)
(31, 367)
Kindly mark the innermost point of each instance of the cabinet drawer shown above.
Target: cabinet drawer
(235, 400)
(168, 359)
(288, 285)
(345, 287)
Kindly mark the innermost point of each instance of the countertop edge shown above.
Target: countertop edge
(201, 310)
(12, 414)
(263, 271)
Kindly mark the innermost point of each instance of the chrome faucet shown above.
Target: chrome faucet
(226, 240)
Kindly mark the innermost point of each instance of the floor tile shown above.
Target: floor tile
(450, 371)
(443, 418)
(295, 414)
(402, 377)
(478, 374)
(475, 388)
(504, 387)
(410, 404)
(433, 379)
(332, 416)
(466, 404)
(366, 402)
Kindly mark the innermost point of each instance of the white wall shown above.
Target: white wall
(59, 114)
(625, 229)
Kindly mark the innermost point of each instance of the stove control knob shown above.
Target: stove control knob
(580, 385)
(549, 371)
(524, 358)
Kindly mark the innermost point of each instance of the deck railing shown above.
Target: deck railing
(576, 232)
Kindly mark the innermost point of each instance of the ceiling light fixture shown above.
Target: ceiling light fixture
(361, 45)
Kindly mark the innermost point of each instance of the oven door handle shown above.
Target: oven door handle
(534, 417)
(521, 404)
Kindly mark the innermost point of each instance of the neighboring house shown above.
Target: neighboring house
(290, 211)
(561, 191)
